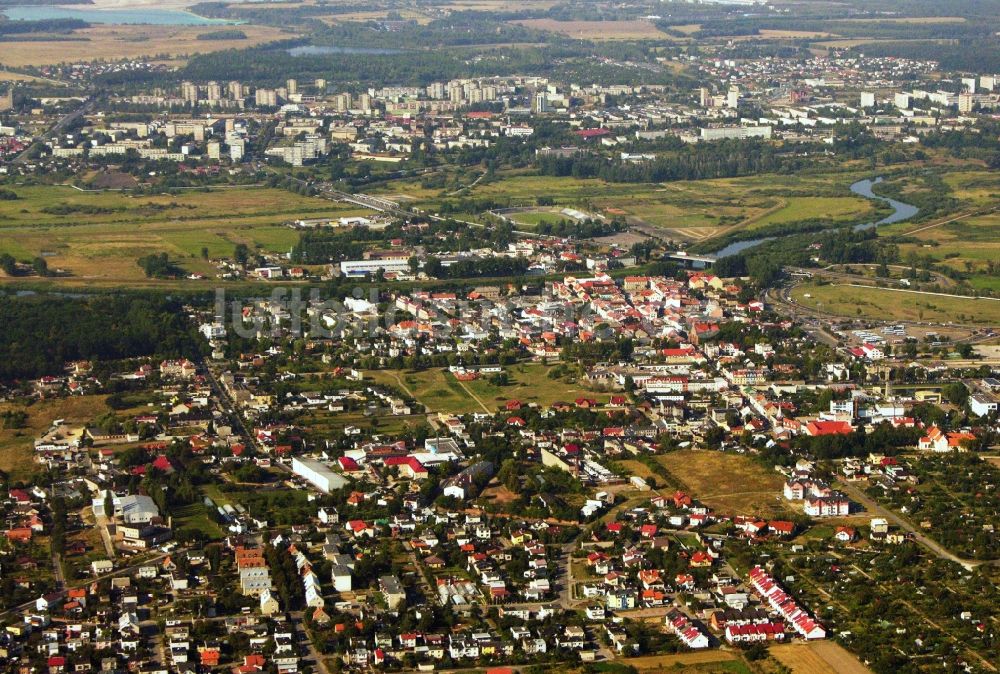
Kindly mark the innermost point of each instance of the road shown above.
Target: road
(229, 408)
(303, 637)
(125, 570)
(875, 508)
(101, 522)
(56, 128)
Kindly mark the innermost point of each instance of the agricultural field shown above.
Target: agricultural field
(17, 444)
(113, 42)
(730, 483)
(98, 236)
(599, 30)
(886, 304)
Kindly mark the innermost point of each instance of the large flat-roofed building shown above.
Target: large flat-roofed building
(365, 267)
(739, 132)
(982, 404)
(318, 474)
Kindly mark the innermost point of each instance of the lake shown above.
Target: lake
(319, 50)
(146, 15)
(862, 188)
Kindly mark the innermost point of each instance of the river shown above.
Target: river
(862, 188)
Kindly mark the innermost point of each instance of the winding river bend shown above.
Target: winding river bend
(862, 188)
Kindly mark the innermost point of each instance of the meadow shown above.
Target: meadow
(438, 390)
(686, 210)
(886, 304)
(730, 483)
(821, 657)
(98, 236)
(17, 445)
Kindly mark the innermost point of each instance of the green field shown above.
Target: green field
(439, 391)
(97, 236)
(732, 483)
(967, 244)
(325, 424)
(195, 516)
(532, 219)
(686, 209)
(879, 303)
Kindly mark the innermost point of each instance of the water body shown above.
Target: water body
(146, 15)
(900, 212)
(862, 188)
(320, 50)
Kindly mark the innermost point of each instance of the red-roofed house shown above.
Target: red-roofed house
(819, 427)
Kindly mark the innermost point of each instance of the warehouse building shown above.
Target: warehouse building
(318, 474)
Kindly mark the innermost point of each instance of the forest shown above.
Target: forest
(43, 332)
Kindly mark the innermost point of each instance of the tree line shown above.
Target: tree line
(722, 159)
(41, 333)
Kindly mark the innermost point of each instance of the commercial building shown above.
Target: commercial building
(982, 404)
(356, 268)
(318, 474)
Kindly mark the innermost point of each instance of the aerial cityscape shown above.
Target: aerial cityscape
(500, 336)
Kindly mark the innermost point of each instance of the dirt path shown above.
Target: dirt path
(960, 216)
(474, 397)
(753, 219)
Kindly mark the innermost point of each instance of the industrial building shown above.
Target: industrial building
(318, 474)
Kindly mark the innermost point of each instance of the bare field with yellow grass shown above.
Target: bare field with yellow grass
(17, 445)
(817, 657)
(113, 42)
(731, 483)
(598, 30)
